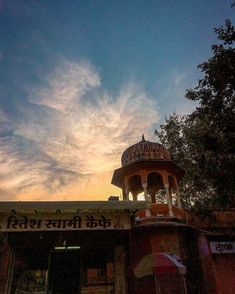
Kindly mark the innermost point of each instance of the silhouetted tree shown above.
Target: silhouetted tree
(203, 143)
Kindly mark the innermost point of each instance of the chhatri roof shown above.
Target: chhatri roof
(144, 150)
(145, 154)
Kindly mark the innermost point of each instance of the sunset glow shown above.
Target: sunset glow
(80, 81)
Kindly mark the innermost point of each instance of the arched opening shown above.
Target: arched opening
(135, 186)
(156, 187)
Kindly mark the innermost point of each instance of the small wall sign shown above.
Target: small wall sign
(222, 247)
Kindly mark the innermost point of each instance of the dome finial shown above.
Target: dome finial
(143, 139)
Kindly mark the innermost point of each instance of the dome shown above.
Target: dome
(144, 150)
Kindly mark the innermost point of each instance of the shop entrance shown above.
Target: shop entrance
(65, 272)
(67, 263)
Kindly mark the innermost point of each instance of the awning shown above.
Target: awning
(158, 263)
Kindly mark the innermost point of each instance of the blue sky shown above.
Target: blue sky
(82, 80)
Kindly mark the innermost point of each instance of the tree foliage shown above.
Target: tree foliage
(203, 142)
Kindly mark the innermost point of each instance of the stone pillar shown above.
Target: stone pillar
(144, 183)
(178, 198)
(168, 196)
(177, 194)
(119, 270)
(126, 191)
(134, 194)
(169, 200)
(153, 197)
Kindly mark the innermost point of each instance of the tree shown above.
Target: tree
(203, 143)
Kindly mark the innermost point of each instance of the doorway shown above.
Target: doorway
(65, 272)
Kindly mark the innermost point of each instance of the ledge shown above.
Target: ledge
(70, 206)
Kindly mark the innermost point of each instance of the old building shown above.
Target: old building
(145, 243)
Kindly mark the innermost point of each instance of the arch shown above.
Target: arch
(155, 183)
(135, 186)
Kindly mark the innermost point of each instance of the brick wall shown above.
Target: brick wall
(224, 265)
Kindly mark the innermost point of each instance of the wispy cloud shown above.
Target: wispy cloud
(172, 89)
(66, 141)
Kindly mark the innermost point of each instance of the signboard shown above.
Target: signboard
(222, 247)
(64, 222)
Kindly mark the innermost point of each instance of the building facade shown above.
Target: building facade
(145, 243)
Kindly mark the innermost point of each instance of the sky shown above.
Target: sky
(80, 81)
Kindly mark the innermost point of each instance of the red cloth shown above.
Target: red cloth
(163, 265)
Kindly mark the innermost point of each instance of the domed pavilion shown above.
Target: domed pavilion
(148, 171)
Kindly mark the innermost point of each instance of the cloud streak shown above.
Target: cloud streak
(68, 139)
(172, 89)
